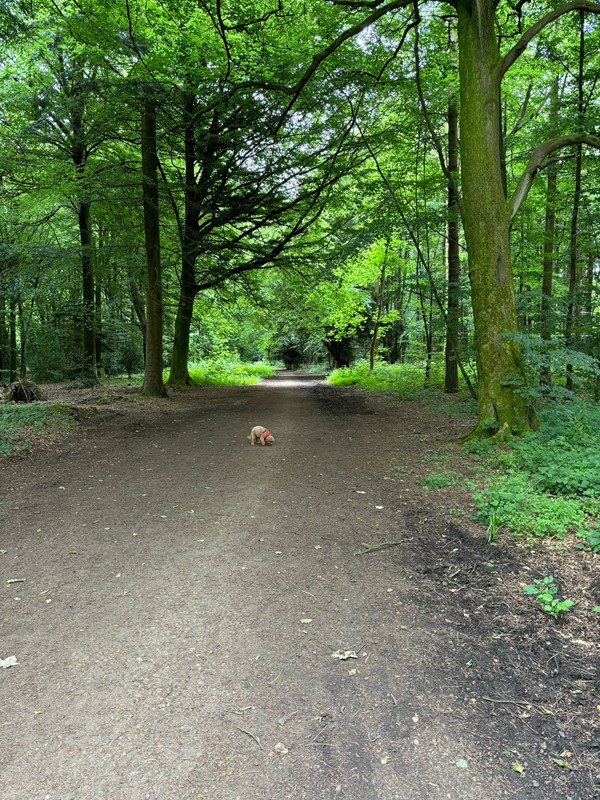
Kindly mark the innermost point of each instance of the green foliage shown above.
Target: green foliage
(544, 592)
(19, 421)
(548, 482)
(591, 539)
(46, 357)
(517, 506)
(404, 380)
(439, 480)
(229, 373)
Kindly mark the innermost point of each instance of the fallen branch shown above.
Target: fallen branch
(383, 546)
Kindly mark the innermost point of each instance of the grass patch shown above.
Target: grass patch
(439, 480)
(21, 424)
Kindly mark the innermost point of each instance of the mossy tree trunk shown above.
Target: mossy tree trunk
(502, 408)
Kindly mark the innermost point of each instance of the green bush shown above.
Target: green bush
(404, 380)
(229, 373)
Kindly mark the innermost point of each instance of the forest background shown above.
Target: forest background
(313, 183)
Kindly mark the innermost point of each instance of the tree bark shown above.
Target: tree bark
(89, 366)
(546, 325)
(453, 300)
(153, 379)
(502, 407)
(12, 340)
(379, 313)
(573, 273)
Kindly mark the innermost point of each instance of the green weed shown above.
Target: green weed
(21, 423)
(439, 480)
(516, 505)
(591, 540)
(544, 593)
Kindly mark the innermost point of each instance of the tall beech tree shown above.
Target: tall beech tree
(153, 380)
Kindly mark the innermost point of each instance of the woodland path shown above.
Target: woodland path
(168, 572)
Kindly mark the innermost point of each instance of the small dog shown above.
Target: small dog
(260, 434)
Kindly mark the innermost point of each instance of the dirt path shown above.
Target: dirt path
(183, 592)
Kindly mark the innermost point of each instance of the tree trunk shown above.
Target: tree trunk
(3, 336)
(137, 301)
(179, 372)
(12, 341)
(548, 270)
(340, 350)
(453, 302)
(153, 379)
(380, 299)
(502, 408)
(573, 276)
(22, 342)
(89, 370)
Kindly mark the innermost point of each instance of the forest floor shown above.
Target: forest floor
(194, 617)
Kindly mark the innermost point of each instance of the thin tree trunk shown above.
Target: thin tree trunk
(380, 299)
(546, 325)
(22, 341)
(139, 307)
(89, 372)
(3, 336)
(12, 334)
(153, 379)
(573, 276)
(453, 307)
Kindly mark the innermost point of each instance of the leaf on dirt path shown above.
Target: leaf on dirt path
(318, 547)
(305, 621)
(462, 763)
(379, 508)
(560, 762)
(358, 491)
(415, 718)
(11, 661)
(281, 748)
(516, 766)
(352, 672)
(344, 655)
(384, 759)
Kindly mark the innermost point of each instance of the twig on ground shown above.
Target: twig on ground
(251, 735)
(382, 546)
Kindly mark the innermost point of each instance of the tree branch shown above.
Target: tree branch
(520, 47)
(538, 161)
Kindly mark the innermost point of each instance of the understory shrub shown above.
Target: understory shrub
(548, 482)
(404, 380)
(228, 372)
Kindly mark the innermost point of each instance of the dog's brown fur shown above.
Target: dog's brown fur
(260, 434)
